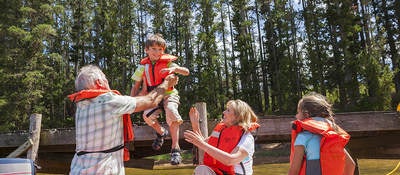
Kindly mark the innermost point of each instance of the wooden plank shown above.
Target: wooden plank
(21, 149)
(358, 124)
(386, 145)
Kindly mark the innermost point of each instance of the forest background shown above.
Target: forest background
(266, 52)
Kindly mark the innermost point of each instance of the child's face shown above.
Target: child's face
(229, 117)
(154, 52)
(300, 114)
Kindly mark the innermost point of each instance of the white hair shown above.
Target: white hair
(87, 77)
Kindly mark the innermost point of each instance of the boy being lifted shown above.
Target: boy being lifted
(152, 71)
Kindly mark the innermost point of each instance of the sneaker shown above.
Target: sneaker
(159, 141)
(176, 157)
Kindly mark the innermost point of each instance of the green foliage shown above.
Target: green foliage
(267, 53)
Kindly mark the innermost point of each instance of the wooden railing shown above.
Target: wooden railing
(374, 134)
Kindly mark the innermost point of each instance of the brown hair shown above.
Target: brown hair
(316, 105)
(155, 40)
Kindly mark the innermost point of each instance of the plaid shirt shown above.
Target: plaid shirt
(99, 127)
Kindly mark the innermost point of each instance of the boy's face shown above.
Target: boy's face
(154, 52)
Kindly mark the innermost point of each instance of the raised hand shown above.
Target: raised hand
(194, 119)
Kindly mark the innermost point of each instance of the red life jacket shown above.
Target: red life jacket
(332, 155)
(152, 75)
(127, 123)
(226, 139)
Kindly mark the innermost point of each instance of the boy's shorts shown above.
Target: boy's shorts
(171, 104)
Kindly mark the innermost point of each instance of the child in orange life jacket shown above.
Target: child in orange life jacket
(230, 147)
(152, 71)
(314, 114)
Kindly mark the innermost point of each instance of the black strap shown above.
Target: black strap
(152, 111)
(102, 151)
(160, 106)
(244, 170)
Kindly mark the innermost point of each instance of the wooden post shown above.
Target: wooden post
(34, 131)
(202, 108)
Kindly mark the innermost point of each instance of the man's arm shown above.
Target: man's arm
(154, 97)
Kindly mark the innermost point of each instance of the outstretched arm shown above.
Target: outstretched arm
(222, 156)
(174, 68)
(155, 96)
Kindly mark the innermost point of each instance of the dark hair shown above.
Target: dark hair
(316, 105)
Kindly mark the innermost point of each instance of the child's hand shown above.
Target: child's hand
(172, 80)
(169, 70)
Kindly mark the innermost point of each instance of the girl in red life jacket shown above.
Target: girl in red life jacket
(305, 157)
(230, 147)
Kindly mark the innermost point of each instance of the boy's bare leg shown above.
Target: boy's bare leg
(153, 122)
(161, 132)
(174, 131)
(175, 149)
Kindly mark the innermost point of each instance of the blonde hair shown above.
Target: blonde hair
(155, 40)
(243, 111)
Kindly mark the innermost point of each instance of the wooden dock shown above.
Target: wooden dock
(373, 135)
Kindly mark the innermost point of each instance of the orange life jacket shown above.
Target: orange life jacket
(226, 139)
(152, 73)
(332, 155)
(127, 123)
